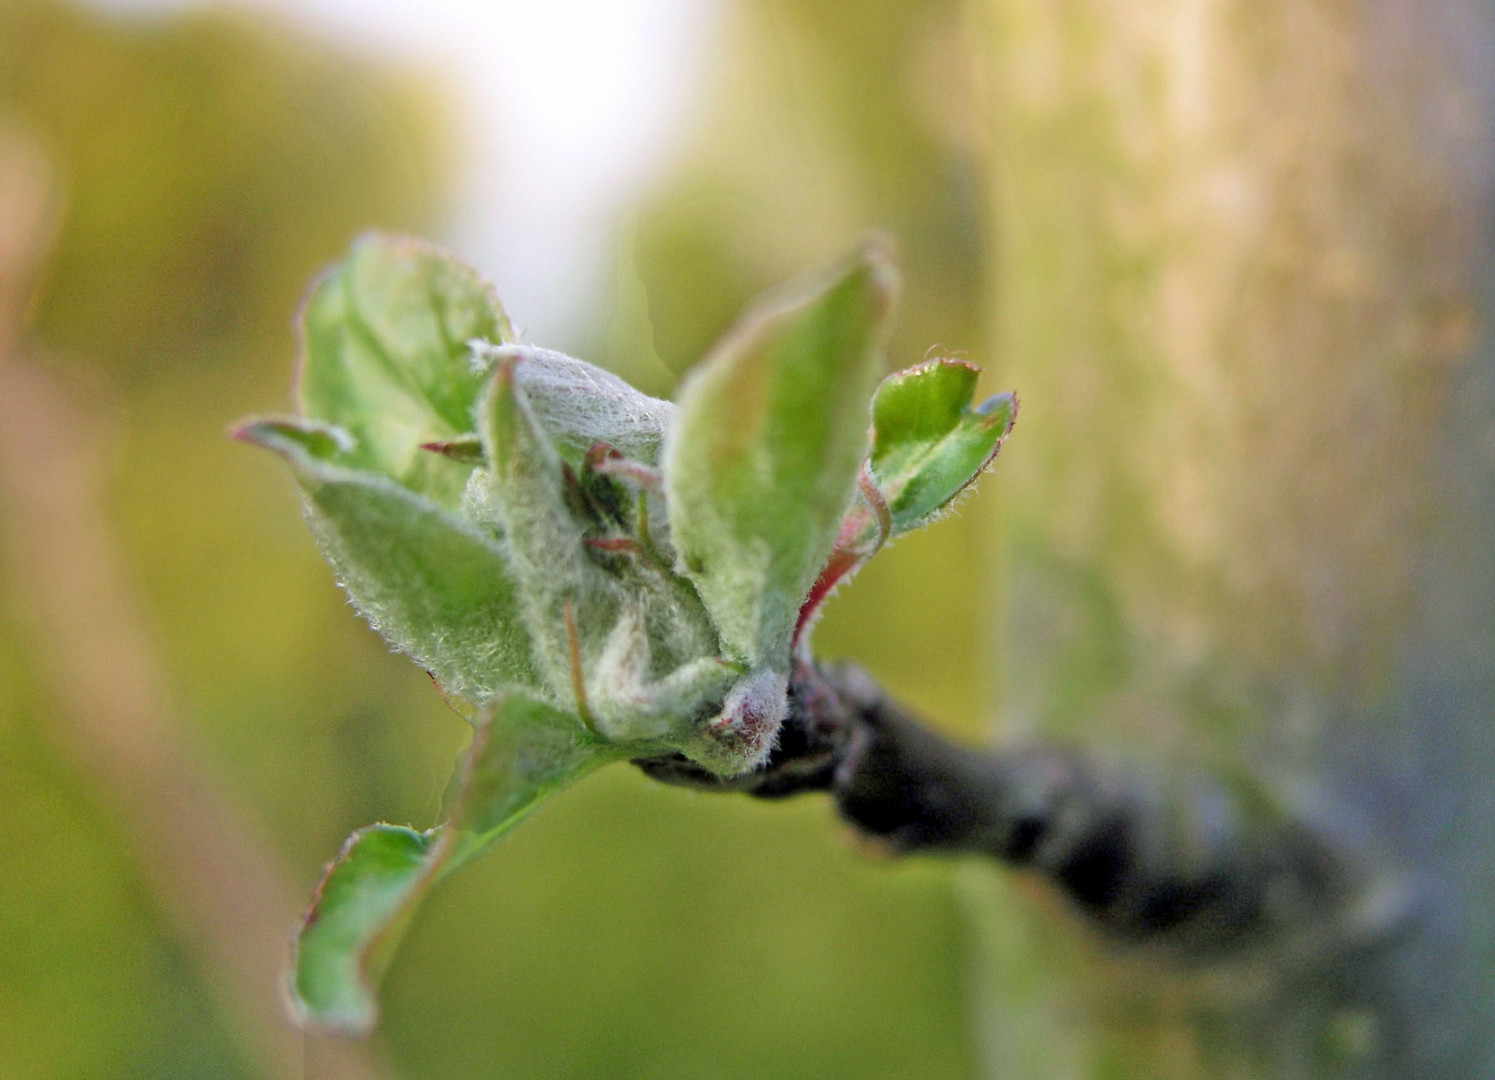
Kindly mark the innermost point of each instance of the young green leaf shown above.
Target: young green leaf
(521, 751)
(385, 356)
(763, 456)
(434, 585)
(357, 914)
(928, 442)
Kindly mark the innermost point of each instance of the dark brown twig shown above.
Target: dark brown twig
(1187, 864)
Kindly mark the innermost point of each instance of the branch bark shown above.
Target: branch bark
(1187, 864)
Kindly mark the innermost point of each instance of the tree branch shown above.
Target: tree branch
(1187, 863)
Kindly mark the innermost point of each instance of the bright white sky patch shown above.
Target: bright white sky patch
(571, 106)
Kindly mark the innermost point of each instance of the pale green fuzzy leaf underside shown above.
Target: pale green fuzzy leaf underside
(385, 356)
(928, 441)
(628, 647)
(527, 492)
(762, 459)
(368, 894)
(578, 404)
(433, 584)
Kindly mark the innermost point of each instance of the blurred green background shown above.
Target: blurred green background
(206, 165)
(1233, 254)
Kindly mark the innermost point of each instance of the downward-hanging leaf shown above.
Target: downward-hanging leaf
(433, 584)
(521, 752)
(357, 916)
(763, 456)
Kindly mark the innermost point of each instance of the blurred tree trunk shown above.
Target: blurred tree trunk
(1241, 279)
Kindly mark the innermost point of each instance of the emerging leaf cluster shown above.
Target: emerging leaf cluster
(602, 574)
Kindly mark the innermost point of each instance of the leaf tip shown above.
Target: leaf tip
(874, 262)
(248, 431)
(292, 437)
(999, 410)
(349, 1022)
(464, 449)
(504, 424)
